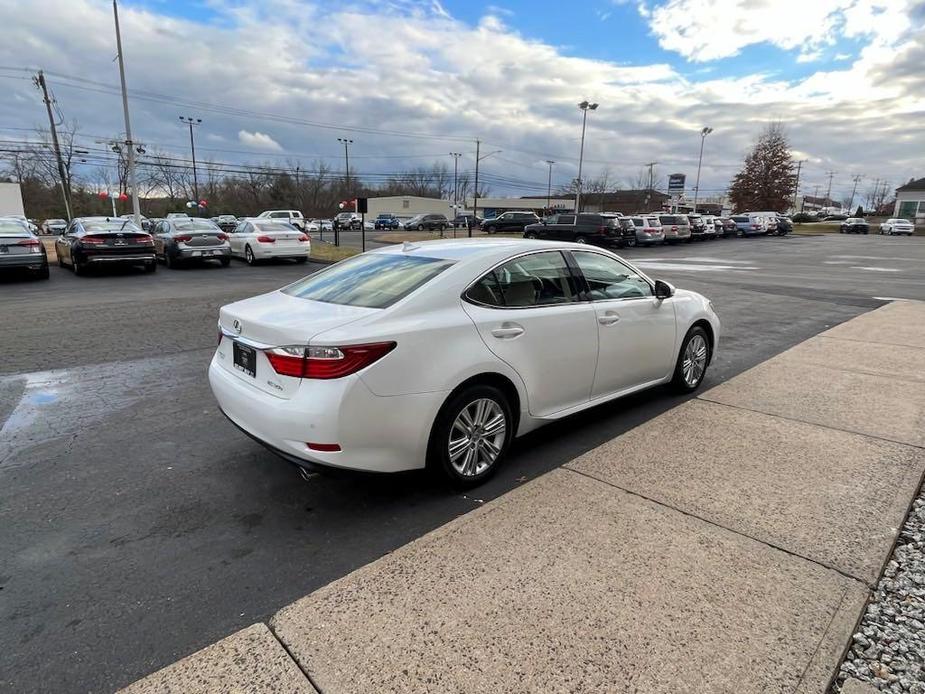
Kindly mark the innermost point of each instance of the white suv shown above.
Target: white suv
(294, 217)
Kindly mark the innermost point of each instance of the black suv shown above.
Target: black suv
(431, 222)
(698, 226)
(387, 221)
(596, 229)
(509, 221)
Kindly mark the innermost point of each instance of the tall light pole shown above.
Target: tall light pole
(703, 137)
(796, 187)
(475, 193)
(456, 156)
(346, 143)
(136, 206)
(585, 106)
(190, 121)
(549, 185)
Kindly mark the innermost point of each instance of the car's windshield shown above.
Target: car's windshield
(195, 226)
(375, 280)
(110, 226)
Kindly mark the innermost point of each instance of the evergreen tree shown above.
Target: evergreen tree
(860, 211)
(767, 181)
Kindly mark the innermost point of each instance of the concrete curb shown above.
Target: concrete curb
(740, 561)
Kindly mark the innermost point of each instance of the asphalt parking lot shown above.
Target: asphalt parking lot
(130, 510)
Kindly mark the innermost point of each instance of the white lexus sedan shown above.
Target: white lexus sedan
(439, 353)
(258, 238)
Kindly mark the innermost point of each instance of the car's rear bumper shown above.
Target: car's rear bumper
(28, 261)
(266, 252)
(375, 434)
(205, 252)
(126, 258)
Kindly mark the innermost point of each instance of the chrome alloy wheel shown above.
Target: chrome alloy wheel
(477, 437)
(695, 360)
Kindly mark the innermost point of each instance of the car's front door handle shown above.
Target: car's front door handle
(608, 318)
(507, 331)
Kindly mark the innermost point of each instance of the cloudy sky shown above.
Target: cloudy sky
(412, 80)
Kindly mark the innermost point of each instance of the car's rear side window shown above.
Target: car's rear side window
(376, 280)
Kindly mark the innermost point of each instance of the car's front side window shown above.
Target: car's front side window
(608, 278)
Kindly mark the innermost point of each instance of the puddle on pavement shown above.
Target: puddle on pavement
(48, 405)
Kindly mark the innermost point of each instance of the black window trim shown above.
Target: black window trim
(579, 298)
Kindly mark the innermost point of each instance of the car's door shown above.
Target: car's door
(527, 311)
(636, 331)
(236, 238)
(64, 243)
(564, 228)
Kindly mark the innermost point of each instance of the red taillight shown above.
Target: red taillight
(145, 240)
(303, 237)
(325, 362)
(183, 238)
(674, 228)
(222, 237)
(29, 242)
(266, 239)
(323, 447)
(90, 240)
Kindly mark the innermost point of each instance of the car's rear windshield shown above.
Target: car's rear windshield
(375, 280)
(12, 228)
(110, 226)
(195, 226)
(274, 226)
(672, 219)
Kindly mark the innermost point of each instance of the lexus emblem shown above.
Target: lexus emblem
(237, 326)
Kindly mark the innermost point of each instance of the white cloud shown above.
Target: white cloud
(255, 80)
(258, 140)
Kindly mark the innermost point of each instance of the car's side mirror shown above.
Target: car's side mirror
(663, 290)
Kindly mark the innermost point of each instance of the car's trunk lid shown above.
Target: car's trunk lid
(275, 320)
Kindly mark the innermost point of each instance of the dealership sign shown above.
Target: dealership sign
(676, 183)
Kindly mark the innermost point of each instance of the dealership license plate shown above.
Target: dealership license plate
(245, 359)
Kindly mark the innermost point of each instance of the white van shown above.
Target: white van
(294, 217)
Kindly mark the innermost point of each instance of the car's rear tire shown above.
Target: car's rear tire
(420, 227)
(169, 262)
(581, 239)
(301, 261)
(249, 256)
(471, 435)
(491, 229)
(693, 360)
(630, 242)
(225, 262)
(42, 273)
(151, 267)
(529, 234)
(77, 267)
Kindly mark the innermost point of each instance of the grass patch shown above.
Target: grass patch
(329, 253)
(816, 228)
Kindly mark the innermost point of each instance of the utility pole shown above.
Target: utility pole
(136, 206)
(796, 188)
(703, 137)
(39, 81)
(585, 106)
(475, 192)
(651, 166)
(828, 193)
(549, 185)
(456, 156)
(857, 179)
(190, 121)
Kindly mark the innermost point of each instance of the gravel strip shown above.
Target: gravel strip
(888, 650)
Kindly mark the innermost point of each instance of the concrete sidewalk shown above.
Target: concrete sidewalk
(728, 545)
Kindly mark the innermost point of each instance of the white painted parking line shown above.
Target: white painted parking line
(875, 269)
(660, 265)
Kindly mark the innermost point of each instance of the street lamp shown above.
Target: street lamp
(703, 137)
(549, 185)
(456, 156)
(585, 106)
(346, 143)
(190, 121)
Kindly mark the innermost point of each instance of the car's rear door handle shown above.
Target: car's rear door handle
(608, 318)
(507, 331)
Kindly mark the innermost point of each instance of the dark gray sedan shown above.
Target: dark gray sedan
(180, 241)
(21, 249)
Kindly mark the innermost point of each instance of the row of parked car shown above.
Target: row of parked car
(654, 228)
(177, 240)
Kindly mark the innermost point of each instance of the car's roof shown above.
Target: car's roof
(464, 249)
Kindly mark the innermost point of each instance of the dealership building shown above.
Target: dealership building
(910, 201)
(407, 206)
(491, 207)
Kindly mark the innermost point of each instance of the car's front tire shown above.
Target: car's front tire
(529, 235)
(491, 229)
(693, 360)
(471, 435)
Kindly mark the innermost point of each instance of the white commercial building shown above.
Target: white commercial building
(910, 201)
(11, 199)
(406, 206)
